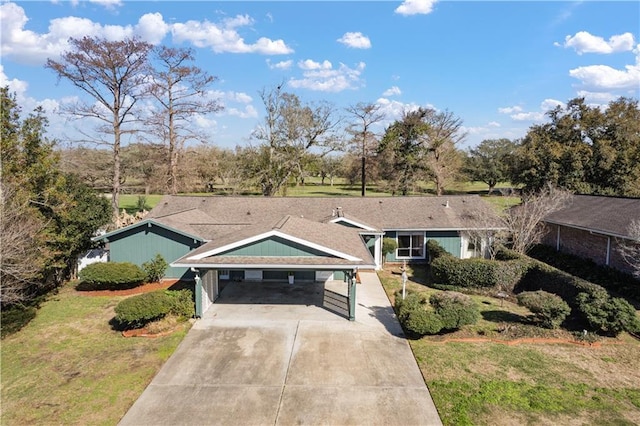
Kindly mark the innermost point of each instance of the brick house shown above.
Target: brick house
(593, 227)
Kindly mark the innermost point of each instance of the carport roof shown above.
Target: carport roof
(342, 245)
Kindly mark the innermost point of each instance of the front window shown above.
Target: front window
(410, 246)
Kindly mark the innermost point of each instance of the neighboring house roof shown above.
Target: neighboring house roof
(604, 215)
(180, 228)
(338, 245)
(379, 213)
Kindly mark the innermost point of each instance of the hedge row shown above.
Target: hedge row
(137, 311)
(112, 275)
(609, 278)
(591, 304)
(478, 273)
(121, 275)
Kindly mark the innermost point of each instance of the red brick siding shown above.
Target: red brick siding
(585, 244)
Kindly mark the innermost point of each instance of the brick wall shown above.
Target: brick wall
(585, 244)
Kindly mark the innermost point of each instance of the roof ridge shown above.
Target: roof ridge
(282, 222)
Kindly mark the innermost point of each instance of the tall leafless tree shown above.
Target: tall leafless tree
(112, 73)
(365, 115)
(629, 249)
(289, 132)
(444, 160)
(524, 222)
(181, 91)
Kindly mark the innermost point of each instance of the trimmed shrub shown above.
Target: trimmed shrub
(435, 250)
(137, 311)
(389, 245)
(549, 309)
(607, 314)
(454, 309)
(112, 275)
(412, 302)
(421, 322)
(466, 273)
(543, 277)
(155, 268)
(182, 303)
(624, 284)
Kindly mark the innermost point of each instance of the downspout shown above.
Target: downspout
(198, 294)
(558, 239)
(608, 251)
(351, 282)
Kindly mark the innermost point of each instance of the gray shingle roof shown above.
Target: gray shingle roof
(385, 213)
(607, 215)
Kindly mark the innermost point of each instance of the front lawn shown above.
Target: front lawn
(68, 366)
(490, 383)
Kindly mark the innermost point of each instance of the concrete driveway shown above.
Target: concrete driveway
(281, 364)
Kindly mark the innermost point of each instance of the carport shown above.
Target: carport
(331, 288)
(295, 251)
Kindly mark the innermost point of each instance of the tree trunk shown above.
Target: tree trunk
(115, 189)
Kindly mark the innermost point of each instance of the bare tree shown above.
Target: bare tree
(444, 160)
(112, 74)
(22, 247)
(289, 131)
(629, 249)
(181, 91)
(365, 115)
(487, 230)
(524, 222)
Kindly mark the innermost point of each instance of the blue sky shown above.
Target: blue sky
(497, 65)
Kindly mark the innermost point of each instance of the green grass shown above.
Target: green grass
(129, 202)
(67, 366)
(492, 383)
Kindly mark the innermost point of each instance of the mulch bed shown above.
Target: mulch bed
(145, 288)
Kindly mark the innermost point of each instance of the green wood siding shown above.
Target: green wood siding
(141, 244)
(449, 240)
(274, 246)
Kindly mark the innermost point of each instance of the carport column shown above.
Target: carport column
(198, 294)
(351, 282)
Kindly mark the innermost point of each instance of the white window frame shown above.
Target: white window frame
(411, 248)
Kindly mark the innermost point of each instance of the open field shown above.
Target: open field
(68, 366)
(313, 188)
(490, 383)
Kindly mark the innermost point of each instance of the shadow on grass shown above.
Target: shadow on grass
(503, 316)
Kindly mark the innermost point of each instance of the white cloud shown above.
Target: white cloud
(26, 46)
(393, 110)
(108, 4)
(19, 87)
(355, 40)
(415, 7)
(494, 124)
(152, 28)
(309, 64)
(223, 37)
(549, 104)
(392, 91)
(509, 110)
(323, 77)
(584, 42)
(282, 65)
(248, 112)
(528, 116)
(597, 97)
(604, 77)
(518, 114)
